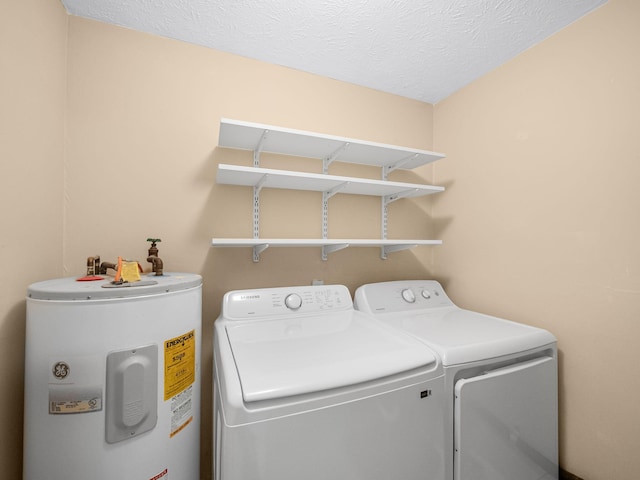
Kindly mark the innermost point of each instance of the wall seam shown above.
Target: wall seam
(65, 150)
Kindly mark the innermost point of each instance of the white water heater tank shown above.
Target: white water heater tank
(112, 379)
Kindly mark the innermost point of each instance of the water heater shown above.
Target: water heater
(112, 379)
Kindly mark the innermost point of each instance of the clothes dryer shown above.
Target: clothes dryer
(500, 377)
(306, 387)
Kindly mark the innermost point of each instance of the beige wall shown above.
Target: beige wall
(541, 219)
(143, 122)
(109, 137)
(32, 94)
(142, 118)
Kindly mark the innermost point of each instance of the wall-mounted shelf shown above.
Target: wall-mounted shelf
(318, 182)
(328, 245)
(264, 138)
(285, 141)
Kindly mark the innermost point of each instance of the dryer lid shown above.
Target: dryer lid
(294, 356)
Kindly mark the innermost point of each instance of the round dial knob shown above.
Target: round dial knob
(293, 301)
(408, 295)
(426, 294)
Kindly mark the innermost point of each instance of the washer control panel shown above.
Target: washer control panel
(401, 296)
(283, 301)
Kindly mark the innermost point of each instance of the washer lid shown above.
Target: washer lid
(462, 336)
(293, 356)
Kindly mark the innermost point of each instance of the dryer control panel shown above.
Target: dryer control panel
(401, 296)
(282, 301)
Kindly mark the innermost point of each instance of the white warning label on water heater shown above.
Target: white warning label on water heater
(72, 384)
(179, 375)
(181, 410)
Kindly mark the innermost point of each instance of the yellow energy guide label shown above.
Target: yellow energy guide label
(179, 364)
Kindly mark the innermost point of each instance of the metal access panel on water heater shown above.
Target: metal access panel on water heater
(132, 392)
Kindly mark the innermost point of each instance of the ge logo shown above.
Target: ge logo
(61, 370)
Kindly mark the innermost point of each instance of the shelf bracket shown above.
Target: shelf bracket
(386, 249)
(260, 183)
(385, 201)
(332, 157)
(258, 149)
(336, 189)
(387, 169)
(384, 212)
(327, 195)
(327, 249)
(257, 250)
(256, 208)
(256, 213)
(397, 196)
(325, 211)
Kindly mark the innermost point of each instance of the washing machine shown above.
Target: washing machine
(307, 388)
(112, 379)
(500, 381)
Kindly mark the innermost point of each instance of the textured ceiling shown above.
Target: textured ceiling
(420, 49)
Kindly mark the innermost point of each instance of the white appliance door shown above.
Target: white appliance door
(506, 423)
(395, 435)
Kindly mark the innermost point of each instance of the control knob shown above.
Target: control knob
(293, 301)
(408, 295)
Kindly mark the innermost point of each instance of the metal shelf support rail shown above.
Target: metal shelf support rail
(258, 249)
(326, 250)
(386, 200)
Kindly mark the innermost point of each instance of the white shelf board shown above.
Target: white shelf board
(318, 182)
(317, 242)
(286, 141)
(328, 246)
